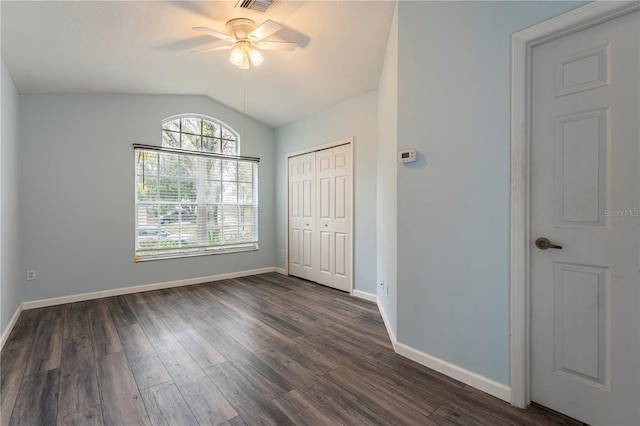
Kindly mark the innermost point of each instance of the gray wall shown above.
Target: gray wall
(11, 274)
(77, 192)
(387, 179)
(453, 203)
(355, 117)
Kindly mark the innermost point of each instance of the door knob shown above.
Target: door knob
(544, 243)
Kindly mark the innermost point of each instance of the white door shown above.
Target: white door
(320, 210)
(333, 177)
(585, 329)
(302, 199)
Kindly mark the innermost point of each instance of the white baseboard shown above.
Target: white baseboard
(499, 390)
(387, 324)
(12, 323)
(364, 295)
(32, 304)
(280, 271)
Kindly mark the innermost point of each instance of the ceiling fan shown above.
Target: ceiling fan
(246, 40)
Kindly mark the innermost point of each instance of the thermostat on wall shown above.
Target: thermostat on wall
(406, 156)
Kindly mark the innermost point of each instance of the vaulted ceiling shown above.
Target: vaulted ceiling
(143, 47)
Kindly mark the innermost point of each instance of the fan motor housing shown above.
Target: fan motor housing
(240, 28)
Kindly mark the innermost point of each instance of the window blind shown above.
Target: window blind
(193, 203)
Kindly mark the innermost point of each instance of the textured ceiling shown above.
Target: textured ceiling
(142, 47)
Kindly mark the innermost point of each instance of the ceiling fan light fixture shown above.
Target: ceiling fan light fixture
(245, 62)
(255, 56)
(237, 56)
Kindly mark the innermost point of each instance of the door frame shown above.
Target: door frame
(328, 145)
(522, 44)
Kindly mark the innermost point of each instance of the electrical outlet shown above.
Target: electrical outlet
(282, 253)
(31, 274)
(382, 283)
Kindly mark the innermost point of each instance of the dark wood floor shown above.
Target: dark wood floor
(266, 349)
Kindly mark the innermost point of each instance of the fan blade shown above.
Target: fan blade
(216, 34)
(265, 30)
(276, 45)
(211, 49)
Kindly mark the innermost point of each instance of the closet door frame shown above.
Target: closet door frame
(346, 141)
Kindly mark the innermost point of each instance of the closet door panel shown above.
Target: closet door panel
(302, 199)
(334, 221)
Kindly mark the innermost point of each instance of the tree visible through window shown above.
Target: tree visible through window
(197, 134)
(195, 195)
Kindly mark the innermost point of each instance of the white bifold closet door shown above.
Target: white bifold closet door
(320, 216)
(302, 206)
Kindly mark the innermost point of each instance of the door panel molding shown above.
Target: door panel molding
(522, 44)
(591, 318)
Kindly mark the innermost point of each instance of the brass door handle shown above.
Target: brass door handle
(544, 243)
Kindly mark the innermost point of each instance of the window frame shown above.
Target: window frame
(210, 225)
(212, 120)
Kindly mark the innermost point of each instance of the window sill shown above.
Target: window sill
(138, 259)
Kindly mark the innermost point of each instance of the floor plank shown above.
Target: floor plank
(206, 402)
(78, 377)
(446, 415)
(37, 401)
(155, 330)
(12, 365)
(135, 342)
(383, 402)
(199, 316)
(121, 400)
(156, 301)
(302, 411)
(198, 347)
(312, 359)
(46, 350)
(149, 371)
(75, 319)
(121, 312)
(254, 326)
(253, 406)
(25, 329)
(236, 421)
(319, 392)
(146, 366)
(250, 337)
(260, 375)
(89, 417)
(104, 335)
(166, 406)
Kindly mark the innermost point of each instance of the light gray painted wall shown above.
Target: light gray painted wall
(10, 242)
(77, 191)
(354, 117)
(387, 177)
(453, 203)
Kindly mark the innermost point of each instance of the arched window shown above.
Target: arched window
(195, 195)
(196, 133)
